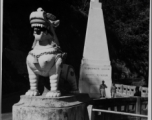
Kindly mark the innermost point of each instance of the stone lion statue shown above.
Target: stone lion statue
(46, 58)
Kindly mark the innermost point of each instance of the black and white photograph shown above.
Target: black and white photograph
(75, 60)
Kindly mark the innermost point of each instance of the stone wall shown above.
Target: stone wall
(128, 90)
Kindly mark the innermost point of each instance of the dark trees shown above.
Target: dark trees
(129, 22)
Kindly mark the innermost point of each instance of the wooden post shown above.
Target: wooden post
(109, 108)
(126, 107)
(138, 107)
(115, 108)
(90, 112)
(119, 108)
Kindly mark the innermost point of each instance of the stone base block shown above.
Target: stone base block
(42, 108)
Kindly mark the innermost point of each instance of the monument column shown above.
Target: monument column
(95, 64)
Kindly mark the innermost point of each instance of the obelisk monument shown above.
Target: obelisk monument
(95, 64)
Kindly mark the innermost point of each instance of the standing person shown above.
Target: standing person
(102, 90)
(113, 91)
(138, 92)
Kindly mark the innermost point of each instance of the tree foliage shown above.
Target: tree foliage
(129, 21)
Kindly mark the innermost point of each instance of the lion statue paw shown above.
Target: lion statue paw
(53, 94)
(32, 93)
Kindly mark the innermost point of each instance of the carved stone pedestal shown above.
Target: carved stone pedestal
(42, 108)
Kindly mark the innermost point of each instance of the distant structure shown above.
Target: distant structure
(95, 64)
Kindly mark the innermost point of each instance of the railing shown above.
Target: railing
(91, 115)
(119, 109)
(128, 90)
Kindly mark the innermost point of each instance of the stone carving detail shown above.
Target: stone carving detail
(46, 58)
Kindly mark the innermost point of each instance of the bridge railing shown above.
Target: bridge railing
(128, 90)
(133, 108)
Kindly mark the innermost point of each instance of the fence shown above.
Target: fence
(128, 90)
(119, 109)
